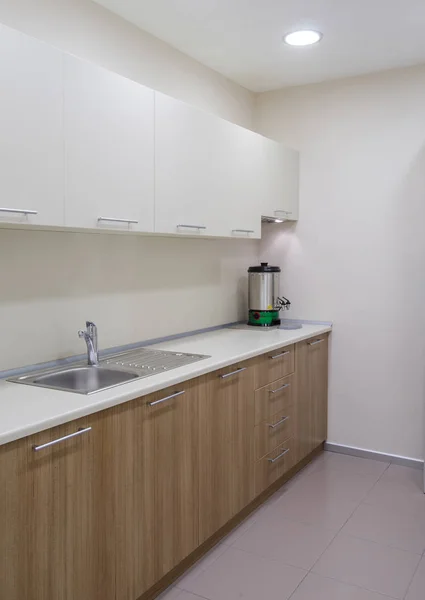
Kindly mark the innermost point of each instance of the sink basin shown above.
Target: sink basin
(83, 380)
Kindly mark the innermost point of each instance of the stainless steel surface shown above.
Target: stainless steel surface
(21, 211)
(166, 398)
(273, 460)
(84, 380)
(243, 231)
(278, 423)
(61, 439)
(316, 342)
(90, 337)
(112, 371)
(282, 387)
(284, 326)
(115, 220)
(233, 373)
(280, 355)
(192, 226)
(263, 291)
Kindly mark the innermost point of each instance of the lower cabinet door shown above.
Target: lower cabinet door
(272, 466)
(173, 417)
(226, 426)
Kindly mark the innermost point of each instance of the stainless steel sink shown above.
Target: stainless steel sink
(83, 380)
(111, 371)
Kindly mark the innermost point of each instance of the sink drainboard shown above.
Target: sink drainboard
(147, 361)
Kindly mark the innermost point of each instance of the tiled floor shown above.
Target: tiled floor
(345, 528)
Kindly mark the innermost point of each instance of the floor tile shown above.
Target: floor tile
(242, 575)
(417, 587)
(314, 507)
(206, 561)
(398, 495)
(411, 477)
(240, 530)
(316, 587)
(174, 593)
(353, 464)
(293, 543)
(396, 529)
(338, 484)
(369, 565)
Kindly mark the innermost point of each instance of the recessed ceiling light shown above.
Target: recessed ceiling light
(305, 37)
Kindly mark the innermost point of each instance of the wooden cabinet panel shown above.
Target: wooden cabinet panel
(273, 398)
(272, 366)
(31, 126)
(272, 466)
(270, 434)
(175, 425)
(226, 427)
(318, 364)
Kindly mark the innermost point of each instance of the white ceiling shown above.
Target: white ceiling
(242, 39)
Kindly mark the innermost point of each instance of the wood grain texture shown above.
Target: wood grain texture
(267, 438)
(267, 472)
(226, 429)
(318, 374)
(268, 369)
(273, 398)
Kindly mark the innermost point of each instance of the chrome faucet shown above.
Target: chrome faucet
(90, 337)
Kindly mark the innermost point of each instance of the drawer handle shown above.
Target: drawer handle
(166, 398)
(282, 387)
(273, 460)
(243, 231)
(233, 373)
(278, 423)
(20, 211)
(316, 342)
(62, 439)
(192, 226)
(115, 220)
(280, 355)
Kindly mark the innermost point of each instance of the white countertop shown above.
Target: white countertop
(26, 409)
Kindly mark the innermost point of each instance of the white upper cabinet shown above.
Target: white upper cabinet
(280, 178)
(205, 181)
(109, 150)
(31, 131)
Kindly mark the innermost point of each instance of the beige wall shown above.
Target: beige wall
(134, 288)
(357, 255)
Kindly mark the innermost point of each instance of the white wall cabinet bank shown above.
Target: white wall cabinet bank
(31, 131)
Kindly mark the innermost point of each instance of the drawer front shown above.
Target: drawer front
(270, 468)
(272, 433)
(273, 398)
(275, 365)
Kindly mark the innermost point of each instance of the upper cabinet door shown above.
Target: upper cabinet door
(31, 128)
(204, 179)
(109, 150)
(280, 180)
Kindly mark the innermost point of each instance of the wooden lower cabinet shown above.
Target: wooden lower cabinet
(108, 512)
(226, 447)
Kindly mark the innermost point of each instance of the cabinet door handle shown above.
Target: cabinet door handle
(113, 219)
(280, 355)
(20, 211)
(316, 342)
(278, 423)
(166, 398)
(233, 373)
(62, 439)
(282, 387)
(243, 231)
(273, 460)
(192, 226)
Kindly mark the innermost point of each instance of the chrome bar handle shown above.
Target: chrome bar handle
(117, 220)
(166, 398)
(285, 212)
(280, 355)
(192, 226)
(233, 373)
(20, 211)
(243, 231)
(278, 423)
(282, 387)
(316, 342)
(62, 439)
(273, 460)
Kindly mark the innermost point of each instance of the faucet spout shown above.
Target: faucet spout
(90, 337)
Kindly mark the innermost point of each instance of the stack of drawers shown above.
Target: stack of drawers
(274, 417)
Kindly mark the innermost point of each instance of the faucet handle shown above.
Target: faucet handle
(82, 333)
